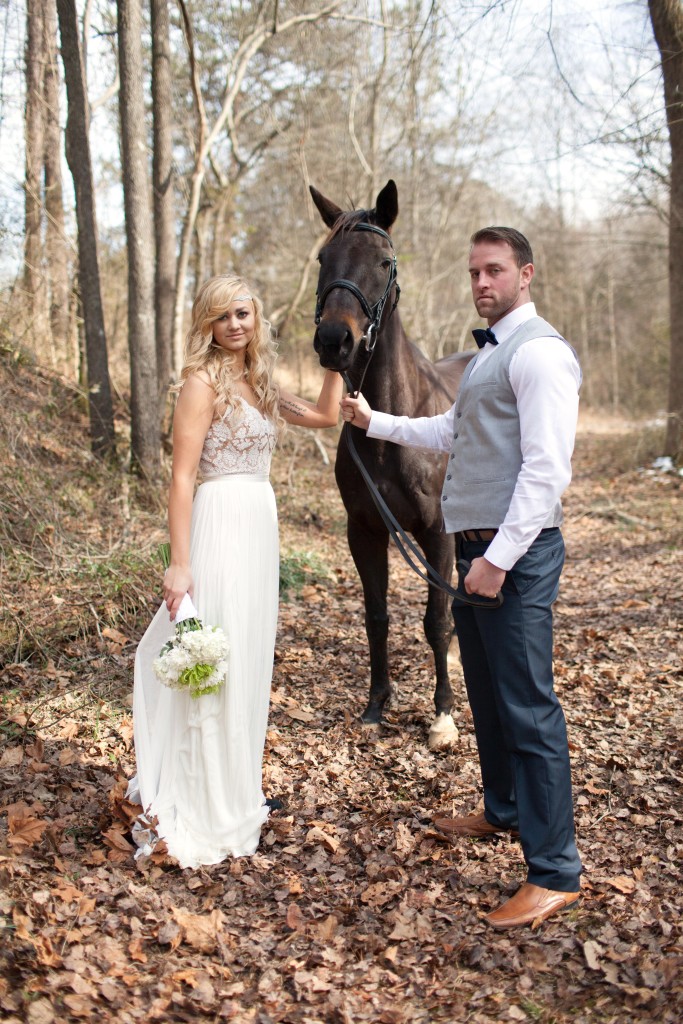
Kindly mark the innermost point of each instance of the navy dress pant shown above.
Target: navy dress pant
(518, 721)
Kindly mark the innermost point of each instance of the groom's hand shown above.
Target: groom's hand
(356, 411)
(484, 578)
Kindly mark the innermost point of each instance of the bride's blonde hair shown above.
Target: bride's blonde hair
(202, 353)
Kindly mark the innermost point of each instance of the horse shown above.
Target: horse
(363, 338)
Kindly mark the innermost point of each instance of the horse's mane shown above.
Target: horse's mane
(347, 221)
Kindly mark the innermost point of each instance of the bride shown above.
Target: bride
(199, 760)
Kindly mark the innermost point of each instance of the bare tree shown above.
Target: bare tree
(35, 292)
(57, 245)
(141, 337)
(667, 23)
(80, 165)
(264, 28)
(164, 205)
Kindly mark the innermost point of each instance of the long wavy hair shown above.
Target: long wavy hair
(202, 353)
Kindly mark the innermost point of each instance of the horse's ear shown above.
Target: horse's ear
(328, 210)
(386, 208)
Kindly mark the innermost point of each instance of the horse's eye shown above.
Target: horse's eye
(385, 264)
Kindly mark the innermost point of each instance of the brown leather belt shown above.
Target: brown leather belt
(478, 534)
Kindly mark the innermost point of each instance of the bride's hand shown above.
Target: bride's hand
(177, 582)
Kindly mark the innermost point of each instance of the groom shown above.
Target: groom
(510, 437)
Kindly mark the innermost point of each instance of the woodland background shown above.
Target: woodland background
(192, 130)
(146, 146)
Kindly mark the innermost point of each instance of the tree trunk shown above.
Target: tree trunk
(35, 294)
(78, 159)
(164, 206)
(667, 23)
(222, 256)
(56, 244)
(144, 384)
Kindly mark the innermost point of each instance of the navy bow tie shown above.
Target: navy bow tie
(481, 336)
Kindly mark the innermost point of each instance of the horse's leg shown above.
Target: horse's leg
(439, 551)
(369, 551)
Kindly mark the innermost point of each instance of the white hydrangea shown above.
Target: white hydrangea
(195, 659)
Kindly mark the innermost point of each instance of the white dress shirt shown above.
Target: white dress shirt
(545, 377)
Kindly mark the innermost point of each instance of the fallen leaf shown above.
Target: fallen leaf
(317, 835)
(327, 929)
(199, 930)
(116, 841)
(11, 757)
(40, 1012)
(169, 934)
(118, 639)
(136, 951)
(80, 1006)
(66, 891)
(36, 749)
(299, 715)
(25, 831)
(45, 953)
(592, 951)
(622, 883)
(403, 930)
(379, 893)
(295, 918)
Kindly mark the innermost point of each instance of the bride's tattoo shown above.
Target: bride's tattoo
(298, 410)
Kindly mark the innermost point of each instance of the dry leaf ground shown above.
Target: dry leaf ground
(353, 909)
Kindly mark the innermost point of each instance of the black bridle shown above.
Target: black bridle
(373, 313)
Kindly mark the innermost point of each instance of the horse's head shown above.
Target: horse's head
(357, 276)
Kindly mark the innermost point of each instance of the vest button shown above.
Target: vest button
(455, 437)
(444, 497)
(459, 415)
(452, 457)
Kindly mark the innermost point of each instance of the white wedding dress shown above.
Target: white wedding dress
(199, 760)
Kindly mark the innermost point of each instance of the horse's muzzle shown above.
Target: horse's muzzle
(334, 344)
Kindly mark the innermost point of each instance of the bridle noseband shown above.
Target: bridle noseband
(373, 313)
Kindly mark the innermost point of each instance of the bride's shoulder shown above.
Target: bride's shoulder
(196, 397)
(197, 387)
(199, 379)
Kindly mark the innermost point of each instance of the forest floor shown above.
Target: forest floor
(353, 909)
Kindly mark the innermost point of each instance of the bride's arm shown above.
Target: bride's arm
(323, 413)
(191, 422)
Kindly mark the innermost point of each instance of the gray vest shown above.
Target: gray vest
(486, 454)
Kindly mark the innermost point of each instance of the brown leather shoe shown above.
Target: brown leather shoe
(531, 903)
(473, 825)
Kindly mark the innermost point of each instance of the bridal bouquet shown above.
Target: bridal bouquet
(196, 656)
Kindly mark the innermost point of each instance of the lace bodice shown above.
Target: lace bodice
(241, 443)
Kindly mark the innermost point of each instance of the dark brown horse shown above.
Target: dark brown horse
(357, 295)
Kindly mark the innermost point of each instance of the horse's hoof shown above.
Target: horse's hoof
(370, 726)
(372, 714)
(442, 734)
